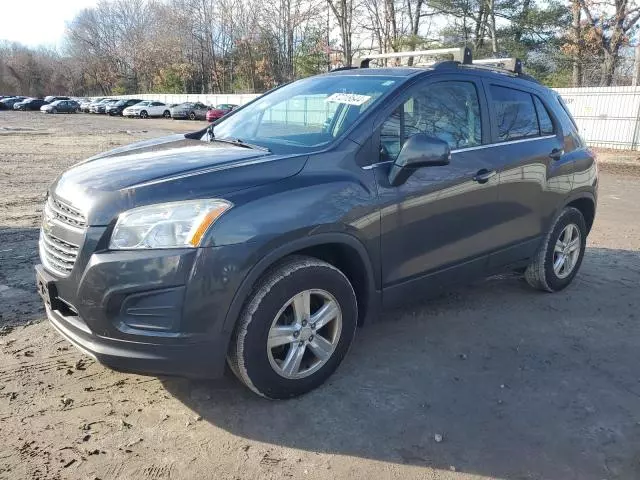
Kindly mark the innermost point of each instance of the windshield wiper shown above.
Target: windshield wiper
(234, 141)
(240, 143)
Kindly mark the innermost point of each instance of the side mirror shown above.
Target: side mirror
(418, 151)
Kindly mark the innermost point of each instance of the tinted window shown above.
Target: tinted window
(544, 119)
(515, 114)
(449, 111)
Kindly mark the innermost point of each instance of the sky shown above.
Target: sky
(44, 20)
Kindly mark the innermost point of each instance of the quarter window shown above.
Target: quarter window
(515, 113)
(544, 119)
(449, 111)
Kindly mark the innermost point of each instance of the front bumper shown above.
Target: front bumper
(151, 312)
(204, 360)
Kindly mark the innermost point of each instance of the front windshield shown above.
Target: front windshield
(306, 114)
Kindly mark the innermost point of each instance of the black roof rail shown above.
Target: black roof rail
(343, 68)
(462, 55)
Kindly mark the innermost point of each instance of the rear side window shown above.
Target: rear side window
(546, 125)
(515, 114)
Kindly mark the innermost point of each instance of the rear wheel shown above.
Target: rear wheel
(560, 255)
(295, 329)
(166, 114)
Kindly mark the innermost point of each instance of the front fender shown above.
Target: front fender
(270, 254)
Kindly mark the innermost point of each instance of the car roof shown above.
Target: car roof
(444, 68)
(381, 72)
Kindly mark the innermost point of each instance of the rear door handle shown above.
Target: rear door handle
(484, 175)
(556, 153)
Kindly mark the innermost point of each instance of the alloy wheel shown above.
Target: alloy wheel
(304, 334)
(566, 251)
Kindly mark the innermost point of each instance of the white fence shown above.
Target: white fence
(207, 99)
(607, 116)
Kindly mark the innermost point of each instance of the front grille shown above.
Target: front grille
(61, 235)
(65, 213)
(56, 254)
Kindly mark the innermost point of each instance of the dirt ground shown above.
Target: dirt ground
(518, 384)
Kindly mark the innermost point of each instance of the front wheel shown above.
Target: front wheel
(53, 110)
(192, 116)
(295, 328)
(560, 255)
(144, 114)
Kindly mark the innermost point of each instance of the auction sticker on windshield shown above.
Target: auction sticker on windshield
(348, 98)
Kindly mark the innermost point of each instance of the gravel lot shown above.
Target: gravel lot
(518, 384)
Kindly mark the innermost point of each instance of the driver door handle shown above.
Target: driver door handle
(484, 175)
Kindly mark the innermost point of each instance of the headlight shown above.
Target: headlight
(166, 225)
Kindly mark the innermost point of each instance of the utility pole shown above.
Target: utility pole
(636, 67)
(328, 39)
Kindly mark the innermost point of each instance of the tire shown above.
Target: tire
(568, 232)
(270, 307)
(144, 114)
(53, 110)
(166, 114)
(192, 116)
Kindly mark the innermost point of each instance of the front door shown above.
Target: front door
(439, 226)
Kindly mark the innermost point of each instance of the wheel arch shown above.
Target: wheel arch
(341, 250)
(586, 203)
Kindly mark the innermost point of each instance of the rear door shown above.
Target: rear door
(201, 111)
(157, 109)
(440, 226)
(526, 147)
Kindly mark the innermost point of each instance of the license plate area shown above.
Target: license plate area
(47, 290)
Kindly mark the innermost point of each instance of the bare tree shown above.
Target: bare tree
(611, 22)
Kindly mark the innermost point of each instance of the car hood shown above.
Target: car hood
(166, 169)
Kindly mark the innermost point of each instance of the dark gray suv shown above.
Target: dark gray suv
(264, 240)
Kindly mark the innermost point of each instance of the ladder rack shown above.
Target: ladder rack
(461, 56)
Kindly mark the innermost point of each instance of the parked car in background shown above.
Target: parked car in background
(101, 106)
(118, 107)
(94, 105)
(61, 106)
(29, 104)
(9, 102)
(148, 108)
(219, 111)
(52, 98)
(86, 105)
(190, 110)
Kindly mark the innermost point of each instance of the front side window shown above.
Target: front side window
(515, 114)
(449, 111)
(306, 114)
